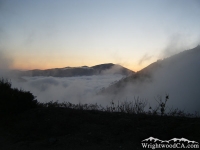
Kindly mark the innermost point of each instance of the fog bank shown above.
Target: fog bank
(81, 89)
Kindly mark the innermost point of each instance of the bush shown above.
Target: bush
(13, 100)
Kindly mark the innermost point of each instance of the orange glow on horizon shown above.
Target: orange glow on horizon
(28, 66)
(27, 63)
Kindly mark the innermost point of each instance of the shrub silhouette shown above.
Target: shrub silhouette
(13, 100)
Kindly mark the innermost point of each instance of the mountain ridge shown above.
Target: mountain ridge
(107, 68)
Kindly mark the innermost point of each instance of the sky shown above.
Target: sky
(43, 34)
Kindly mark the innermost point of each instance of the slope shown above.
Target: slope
(177, 76)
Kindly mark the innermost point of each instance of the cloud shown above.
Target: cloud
(146, 57)
(178, 42)
(72, 89)
(177, 76)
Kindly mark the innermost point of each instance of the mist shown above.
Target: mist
(177, 76)
(81, 89)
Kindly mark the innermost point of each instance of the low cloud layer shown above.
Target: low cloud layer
(72, 89)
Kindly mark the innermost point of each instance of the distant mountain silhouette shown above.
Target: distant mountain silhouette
(80, 71)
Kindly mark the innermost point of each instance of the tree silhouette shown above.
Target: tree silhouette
(13, 100)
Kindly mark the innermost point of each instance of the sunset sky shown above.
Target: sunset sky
(59, 33)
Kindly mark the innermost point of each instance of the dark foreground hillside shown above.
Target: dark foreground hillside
(70, 129)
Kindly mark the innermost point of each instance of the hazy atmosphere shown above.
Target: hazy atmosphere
(132, 33)
(73, 89)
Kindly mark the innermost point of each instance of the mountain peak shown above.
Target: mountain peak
(107, 68)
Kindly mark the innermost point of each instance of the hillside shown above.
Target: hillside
(177, 75)
(62, 128)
